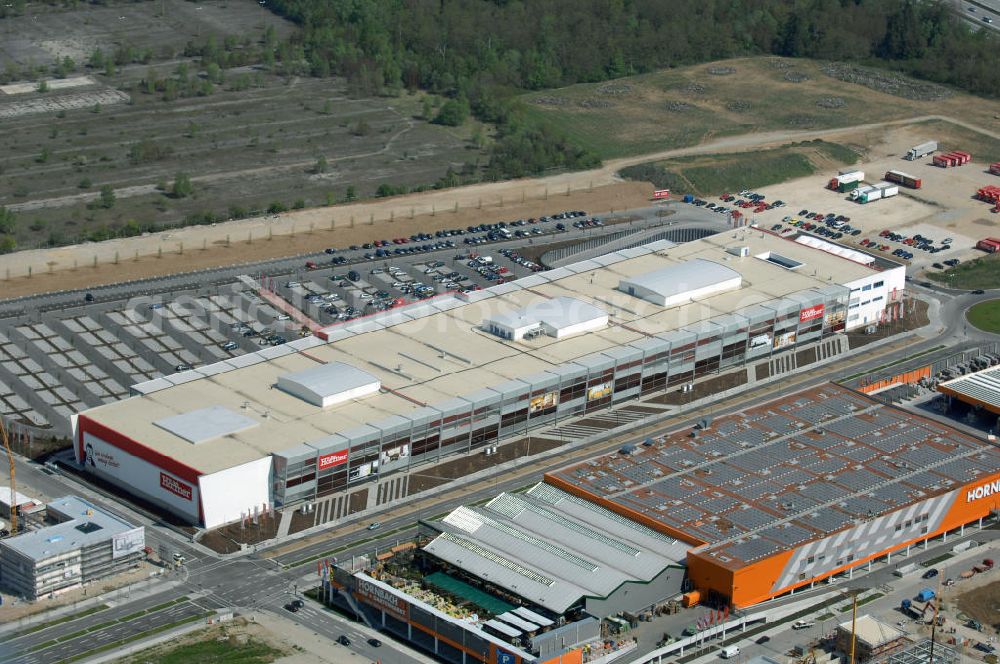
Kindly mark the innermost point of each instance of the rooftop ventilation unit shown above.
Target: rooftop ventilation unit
(329, 384)
(558, 317)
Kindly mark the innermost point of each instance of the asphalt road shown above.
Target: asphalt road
(974, 10)
(252, 584)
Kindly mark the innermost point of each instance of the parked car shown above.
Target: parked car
(343, 640)
(930, 574)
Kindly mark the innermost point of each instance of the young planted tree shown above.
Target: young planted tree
(107, 198)
(182, 186)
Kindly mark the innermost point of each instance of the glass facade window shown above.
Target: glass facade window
(591, 383)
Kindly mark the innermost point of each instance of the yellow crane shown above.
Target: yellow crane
(13, 489)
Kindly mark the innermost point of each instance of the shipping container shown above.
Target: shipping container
(904, 179)
(995, 168)
(990, 194)
(964, 157)
(922, 150)
(947, 160)
(925, 595)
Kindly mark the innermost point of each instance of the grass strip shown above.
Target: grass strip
(939, 559)
(58, 621)
(100, 626)
(908, 358)
(861, 602)
(43, 646)
(136, 637)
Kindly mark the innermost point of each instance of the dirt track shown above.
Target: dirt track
(598, 190)
(205, 246)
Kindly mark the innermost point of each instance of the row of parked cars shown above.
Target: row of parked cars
(517, 258)
(264, 336)
(385, 245)
(917, 241)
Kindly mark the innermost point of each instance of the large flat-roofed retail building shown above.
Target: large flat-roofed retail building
(373, 396)
(81, 544)
(804, 487)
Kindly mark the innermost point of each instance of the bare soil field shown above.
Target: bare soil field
(983, 604)
(691, 105)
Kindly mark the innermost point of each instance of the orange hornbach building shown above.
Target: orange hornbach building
(796, 490)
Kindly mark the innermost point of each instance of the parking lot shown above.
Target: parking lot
(60, 354)
(936, 224)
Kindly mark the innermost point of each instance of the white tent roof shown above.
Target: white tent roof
(839, 250)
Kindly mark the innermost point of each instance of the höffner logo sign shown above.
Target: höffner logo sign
(983, 490)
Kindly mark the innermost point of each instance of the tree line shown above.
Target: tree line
(483, 53)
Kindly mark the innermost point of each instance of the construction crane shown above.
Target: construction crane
(13, 488)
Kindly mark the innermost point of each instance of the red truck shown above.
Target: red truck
(990, 245)
(902, 178)
(989, 193)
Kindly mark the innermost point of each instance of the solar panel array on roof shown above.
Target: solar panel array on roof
(788, 534)
(752, 550)
(796, 461)
(749, 518)
(827, 521)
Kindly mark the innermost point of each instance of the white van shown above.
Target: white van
(730, 651)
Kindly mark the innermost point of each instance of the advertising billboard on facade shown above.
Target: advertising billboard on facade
(835, 319)
(543, 402)
(784, 340)
(599, 391)
(175, 486)
(131, 541)
(141, 476)
(324, 461)
(378, 596)
(362, 470)
(811, 313)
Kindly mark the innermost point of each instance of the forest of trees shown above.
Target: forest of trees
(483, 52)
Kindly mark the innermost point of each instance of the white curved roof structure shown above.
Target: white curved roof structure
(682, 283)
